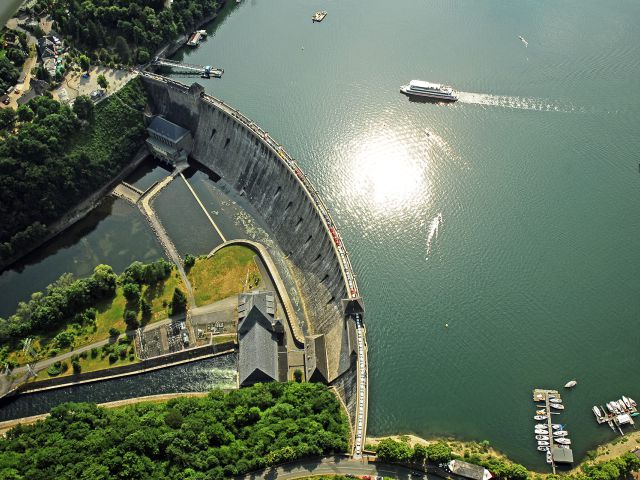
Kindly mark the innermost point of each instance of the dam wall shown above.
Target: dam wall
(258, 168)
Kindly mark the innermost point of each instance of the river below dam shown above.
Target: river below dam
(495, 239)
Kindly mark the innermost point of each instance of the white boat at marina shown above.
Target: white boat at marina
(543, 448)
(626, 401)
(563, 441)
(542, 443)
(436, 91)
(549, 457)
(564, 446)
(570, 384)
(541, 425)
(557, 426)
(557, 406)
(542, 437)
(632, 402)
(539, 417)
(560, 433)
(541, 433)
(597, 412)
(555, 400)
(623, 407)
(541, 412)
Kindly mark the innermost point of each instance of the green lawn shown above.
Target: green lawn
(224, 274)
(110, 315)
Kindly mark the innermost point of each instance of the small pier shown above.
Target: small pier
(205, 71)
(617, 413)
(196, 37)
(558, 451)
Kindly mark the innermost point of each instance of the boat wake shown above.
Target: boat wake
(434, 227)
(518, 103)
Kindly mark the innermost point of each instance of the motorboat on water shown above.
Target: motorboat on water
(563, 441)
(542, 443)
(555, 400)
(543, 448)
(564, 446)
(632, 402)
(435, 91)
(597, 412)
(549, 457)
(542, 437)
(626, 401)
(557, 406)
(541, 412)
(623, 407)
(539, 417)
(541, 425)
(560, 433)
(570, 384)
(557, 426)
(539, 432)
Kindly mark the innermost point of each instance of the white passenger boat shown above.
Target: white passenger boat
(549, 457)
(556, 426)
(542, 437)
(557, 406)
(626, 401)
(563, 441)
(539, 417)
(429, 90)
(623, 407)
(542, 443)
(597, 412)
(560, 433)
(570, 384)
(541, 412)
(632, 401)
(541, 425)
(555, 400)
(543, 448)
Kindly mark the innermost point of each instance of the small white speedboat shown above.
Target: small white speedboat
(541, 412)
(597, 412)
(543, 448)
(623, 407)
(560, 433)
(570, 384)
(557, 406)
(556, 426)
(549, 457)
(542, 437)
(539, 417)
(541, 425)
(542, 443)
(632, 401)
(564, 446)
(544, 434)
(563, 441)
(555, 400)
(626, 401)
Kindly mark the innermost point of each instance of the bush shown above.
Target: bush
(76, 367)
(178, 302)
(114, 332)
(297, 375)
(189, 261)
(94, 352)
(113, 357)
(131, 319)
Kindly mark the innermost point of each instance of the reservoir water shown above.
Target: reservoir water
(534, 172)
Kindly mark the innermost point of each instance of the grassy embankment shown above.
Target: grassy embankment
(229, 272)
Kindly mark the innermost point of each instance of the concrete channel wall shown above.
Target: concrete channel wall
(257, 167)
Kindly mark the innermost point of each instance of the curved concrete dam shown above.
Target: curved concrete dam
(258, 168)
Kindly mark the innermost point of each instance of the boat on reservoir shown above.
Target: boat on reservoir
(539, 417)
(597, 412)
(543, 448)
(555, 400)
(563, 441)
(557, 406)
(626, 401)
(436, 91)
(549, 457)
(541, 412)
(319, 16)
(570, 384)
(542, 437)
(541, 425)
(557, 426)
(623, 407)
(560, 433)
(542, 443)
(632, 401)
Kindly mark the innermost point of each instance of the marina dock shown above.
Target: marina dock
(617, 413)
(558, 451)
(205, 71)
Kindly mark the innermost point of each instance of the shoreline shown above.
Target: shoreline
(605, 451)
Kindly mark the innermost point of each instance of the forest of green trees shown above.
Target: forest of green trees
(125, 31)
(213, 437)
(59, 156)
(13, 52)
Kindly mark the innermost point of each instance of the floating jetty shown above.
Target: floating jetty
(196, 37)
(558, 448)
(319, 16)
(205, 71)
(617, 413)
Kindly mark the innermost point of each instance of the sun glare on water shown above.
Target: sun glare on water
(386, 173)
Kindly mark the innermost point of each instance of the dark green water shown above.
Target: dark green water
(534, 170)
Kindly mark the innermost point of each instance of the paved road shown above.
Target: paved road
(335, 466)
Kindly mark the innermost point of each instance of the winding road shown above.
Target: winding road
(338, 466)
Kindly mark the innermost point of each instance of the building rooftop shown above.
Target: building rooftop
(259, 334)
(562, 455)
(469, 470)
(163, 127)
(315, 358)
